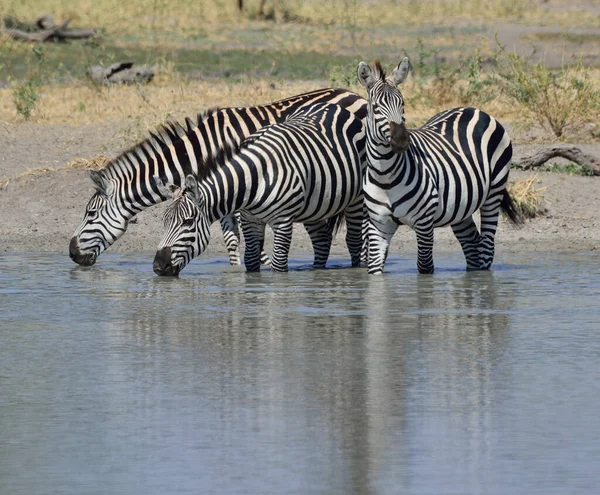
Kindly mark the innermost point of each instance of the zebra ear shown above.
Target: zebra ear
(103, 184)
(365, 75)
(167, 189)
(192, 189)
(400, 72)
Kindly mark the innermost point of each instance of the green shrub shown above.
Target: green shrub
(27, 93)
(569, 169)
(564, 102)
(444, 84)
(343, 76)
(25, 96)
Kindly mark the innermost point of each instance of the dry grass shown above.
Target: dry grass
(528, 197)
(94, 163)
(187, 17)
(30, 173)
(82, 103)
(169, 98)
(320, 26)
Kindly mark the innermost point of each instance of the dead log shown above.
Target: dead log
(121, 73)
(49, 34)
(44, 29)
(571, 153)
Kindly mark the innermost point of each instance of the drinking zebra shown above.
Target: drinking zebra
(433, 176)
(125, 186)
(307, 170)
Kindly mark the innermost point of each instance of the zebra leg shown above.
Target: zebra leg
(366, 222)
(321, 237)
(467, 234)
(231, 236)
(355, 241)
(254, 234)
(264, 257)
(282, 239)
(490, 212)
(380, 235)
(424, 232)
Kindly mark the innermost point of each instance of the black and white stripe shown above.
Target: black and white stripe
(306, 170)
(125, 186)
(434, 176)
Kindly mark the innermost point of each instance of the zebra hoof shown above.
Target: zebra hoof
(425, 270)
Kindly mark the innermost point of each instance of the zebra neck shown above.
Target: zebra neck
(383, 161)
(225, 190)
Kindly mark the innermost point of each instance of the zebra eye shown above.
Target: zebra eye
(92, 213)
(188, 222)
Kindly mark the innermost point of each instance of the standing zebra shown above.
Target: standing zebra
(307, 169)
(125, 186)
(433, 176)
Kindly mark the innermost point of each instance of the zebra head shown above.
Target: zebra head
(103, 223)
(186, 225)
(386, 122)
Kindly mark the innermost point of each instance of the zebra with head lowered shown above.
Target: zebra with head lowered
(126, 186)
(307, 170)
(433, 176)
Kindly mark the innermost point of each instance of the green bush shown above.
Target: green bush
(564, 102)
(27, 93)
(25, 96)
(343, 76)
(443, 83)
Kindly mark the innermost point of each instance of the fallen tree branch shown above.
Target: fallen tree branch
(571, 153)
(44, 29)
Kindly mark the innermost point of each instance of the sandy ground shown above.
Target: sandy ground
(39, 212)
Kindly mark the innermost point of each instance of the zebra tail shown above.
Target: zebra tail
(336, 223)
(510, 209)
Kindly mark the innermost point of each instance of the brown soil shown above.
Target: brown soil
(40, 211)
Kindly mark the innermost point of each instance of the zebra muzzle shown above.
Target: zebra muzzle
(81, 259)
(162, 263)
(399, 137)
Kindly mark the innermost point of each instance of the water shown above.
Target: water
(113, 380)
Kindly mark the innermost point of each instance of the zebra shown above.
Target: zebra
(124, 187)
(433, 176)
(307, 170)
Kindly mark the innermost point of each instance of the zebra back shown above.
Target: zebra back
(175, 151)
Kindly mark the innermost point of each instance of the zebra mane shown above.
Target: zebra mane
(163, 136)
(210, 163)
(379, 68)
(171, 133)
(206, 114)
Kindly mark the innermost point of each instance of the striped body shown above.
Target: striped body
(125, 186)
(307, 170)
(435, 176)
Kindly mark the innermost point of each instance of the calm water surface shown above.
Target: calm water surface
(113, 380)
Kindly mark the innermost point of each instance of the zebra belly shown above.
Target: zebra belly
(328, 201)
(453, 209)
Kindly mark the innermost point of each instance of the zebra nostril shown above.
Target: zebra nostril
(73, 248)
(76, 255)
(162, 262)
(399, 137)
